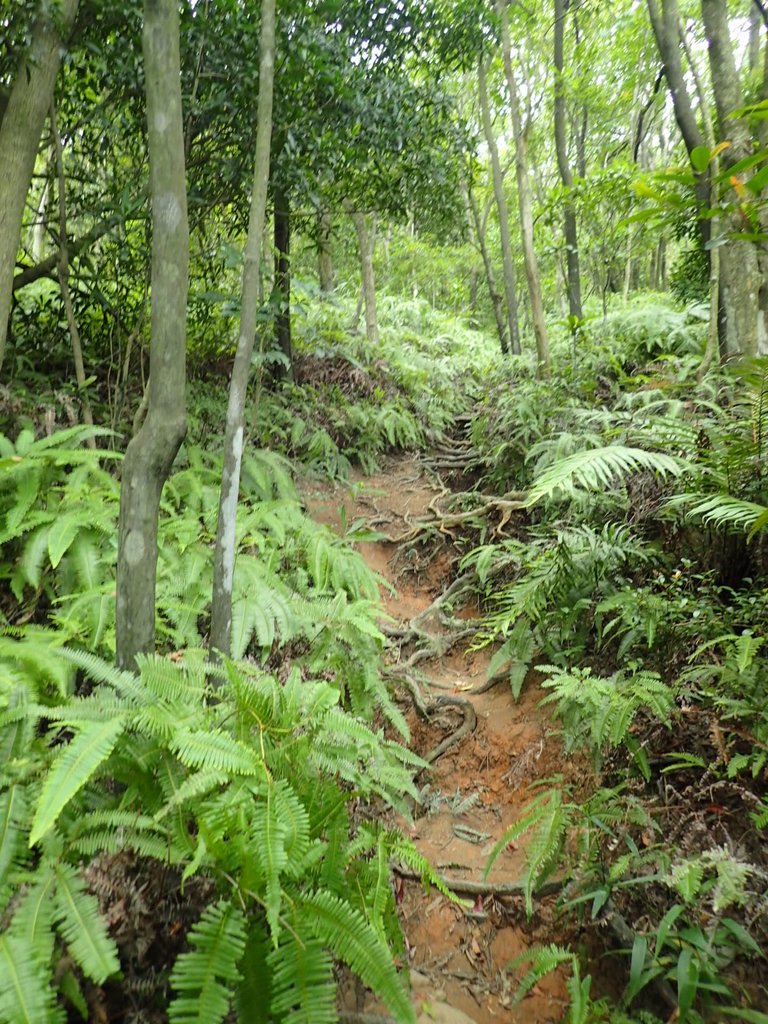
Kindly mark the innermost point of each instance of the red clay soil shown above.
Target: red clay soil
(459, 957)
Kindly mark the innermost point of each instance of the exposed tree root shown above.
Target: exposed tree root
(444, 520)
(489, 684)
(471, 888)
(466, 727)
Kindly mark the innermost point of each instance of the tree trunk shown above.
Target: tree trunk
(151, 452)
(740, 276)
(755, 37)
(224, 558)
(570, 232)
(524, 200)
(510, 285)
(490, 277)
(324, 256)
(283, 279)
(366, 241)
(66, 298)
(20, 131)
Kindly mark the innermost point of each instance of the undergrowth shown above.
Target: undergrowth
(640, 577)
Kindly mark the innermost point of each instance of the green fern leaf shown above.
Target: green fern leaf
(254, 994)
(544, 960)
(207, 976)
(72, 769)
(303, 985)
(272, 855)
(33, 921)
(345, 931)
(12, 815)
(82, 927)
(26, 996)
(546, 818)
(214, 750)
(599, 468)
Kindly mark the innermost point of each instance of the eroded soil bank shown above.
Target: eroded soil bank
(458, 957)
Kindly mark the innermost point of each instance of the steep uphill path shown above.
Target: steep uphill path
(472, 792)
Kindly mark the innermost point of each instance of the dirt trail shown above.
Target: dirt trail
(473, 791)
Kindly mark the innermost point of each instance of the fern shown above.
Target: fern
(599, 468)
(544, 960)
(206, 977)
(303, 989)
(349, 936)
(81, 926)
(547, 818)
(72, 769)
(25, 994)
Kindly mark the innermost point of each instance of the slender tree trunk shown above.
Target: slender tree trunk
(66, 298)
(524, 199)
(740, 275)
(510, 285)
(324, 257)
(755, 35)
(283, 278)
(224, 558)
(366, 241)
(20, 131)
(151, 452)
(490, 277)
(570, 231)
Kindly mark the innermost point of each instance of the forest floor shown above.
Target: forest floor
(472, 792)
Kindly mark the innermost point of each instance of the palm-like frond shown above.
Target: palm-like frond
(71, 770)
(82, 927)
(547, 819)
(206, 977)
(26, 996)
(600, 467)
(345, 931)
(303, 989)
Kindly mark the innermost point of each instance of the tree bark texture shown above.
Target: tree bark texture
(324, 256)
(476, 222)
(366, 241)
(224, 558)
(524, 199)
(510, 284)
(20, 130)
(740, 275)
(63, 270)
(282, 238)
(570, 232)
(151, 452)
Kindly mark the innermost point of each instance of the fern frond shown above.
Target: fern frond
(304, 991)
(599, 467)
(82, 927)
(214, 751)
(547, 818)
(544, 960)
(206, 977)
(722, 510)
(12, 817)
(71, 770)
(26, 996)
(345, 931)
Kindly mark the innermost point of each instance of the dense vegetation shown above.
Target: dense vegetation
(202, 735)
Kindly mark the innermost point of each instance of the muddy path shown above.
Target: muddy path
(472, 792)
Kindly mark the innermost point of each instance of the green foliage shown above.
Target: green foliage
(599, 712)
(235, 777)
